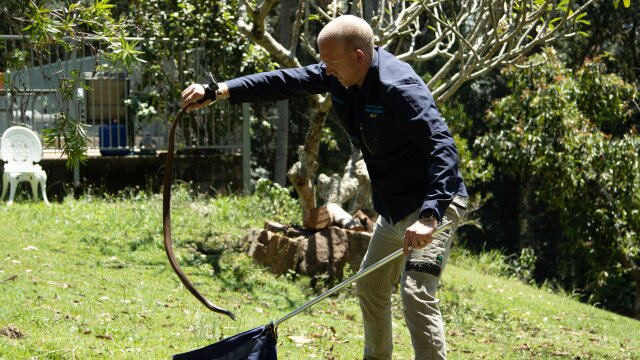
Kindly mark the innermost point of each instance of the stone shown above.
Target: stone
(358, 244)
(277, 252)
(324, 252)
(275, 227)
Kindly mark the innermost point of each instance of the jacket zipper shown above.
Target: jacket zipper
(364, 139)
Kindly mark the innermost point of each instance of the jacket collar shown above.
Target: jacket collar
(370, 79)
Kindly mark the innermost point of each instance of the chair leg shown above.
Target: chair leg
(43, 186)
(34, 188)
(5, 184)
(13, 184)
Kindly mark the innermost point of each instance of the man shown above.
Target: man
(412, 161)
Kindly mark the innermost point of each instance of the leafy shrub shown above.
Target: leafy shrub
(276, 201)
(569, 141)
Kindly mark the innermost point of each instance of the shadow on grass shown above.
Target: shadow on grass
(238, 277)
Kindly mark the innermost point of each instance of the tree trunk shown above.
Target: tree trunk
(352, 189)
(363, 200)
(369, 9)
(303, 171)
(339, 189)
(282, 124)
(636, 303)
(525, 213)
(282, 141)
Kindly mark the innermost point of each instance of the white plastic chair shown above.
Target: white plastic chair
(21, 149)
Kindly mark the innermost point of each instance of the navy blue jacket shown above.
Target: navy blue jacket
(409, 152)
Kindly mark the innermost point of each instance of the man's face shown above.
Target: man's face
(340, 62)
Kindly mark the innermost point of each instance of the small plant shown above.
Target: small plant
(276, 200)
(523, 266)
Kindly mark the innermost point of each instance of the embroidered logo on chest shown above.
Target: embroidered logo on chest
(373, 110)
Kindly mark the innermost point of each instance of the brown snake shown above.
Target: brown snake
(166, 222)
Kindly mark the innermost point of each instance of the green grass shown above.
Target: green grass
(88, 278)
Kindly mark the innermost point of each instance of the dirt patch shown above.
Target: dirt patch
(11, 332)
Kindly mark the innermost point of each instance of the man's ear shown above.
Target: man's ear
(359, 55)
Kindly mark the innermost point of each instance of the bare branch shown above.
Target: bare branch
(326, 17)
(455, 31)
(258, 36)
(295, 31)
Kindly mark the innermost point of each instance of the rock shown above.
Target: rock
(275, 227)
(358, 244)
(324, 252)
(277, 252)
(294, 231)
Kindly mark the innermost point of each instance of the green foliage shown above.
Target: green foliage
(567, 136)
(612, 111)
(45, 26)
(277, 201)
(523, 265)
(493, 262)
(72, 133)
(626, 3)
(183, 41)
(475, 170)
(329, 138)
(206, 30)
(496, 263)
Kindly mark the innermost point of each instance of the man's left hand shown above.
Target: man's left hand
(419, 234)
(191, 95)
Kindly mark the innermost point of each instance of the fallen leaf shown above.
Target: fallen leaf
(524, 347)
(106, 337)
(299, 340)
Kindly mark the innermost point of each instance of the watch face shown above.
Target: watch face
(427, 214)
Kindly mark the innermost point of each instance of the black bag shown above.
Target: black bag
(255, 344)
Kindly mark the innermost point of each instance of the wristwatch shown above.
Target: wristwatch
(428, 215)
(211, 90)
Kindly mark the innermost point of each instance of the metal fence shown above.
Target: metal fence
(125, 112)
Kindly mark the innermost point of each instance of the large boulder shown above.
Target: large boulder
(324, 252)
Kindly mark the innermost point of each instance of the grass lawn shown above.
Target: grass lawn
(89, 278)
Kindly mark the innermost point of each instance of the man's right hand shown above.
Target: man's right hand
(191, 95)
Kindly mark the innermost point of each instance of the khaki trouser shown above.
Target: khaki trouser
(419, 281)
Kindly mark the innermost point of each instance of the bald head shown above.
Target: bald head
(350, 31)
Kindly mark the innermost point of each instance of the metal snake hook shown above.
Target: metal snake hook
(166, 222)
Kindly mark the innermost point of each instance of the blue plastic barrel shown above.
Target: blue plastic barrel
(113, 140)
